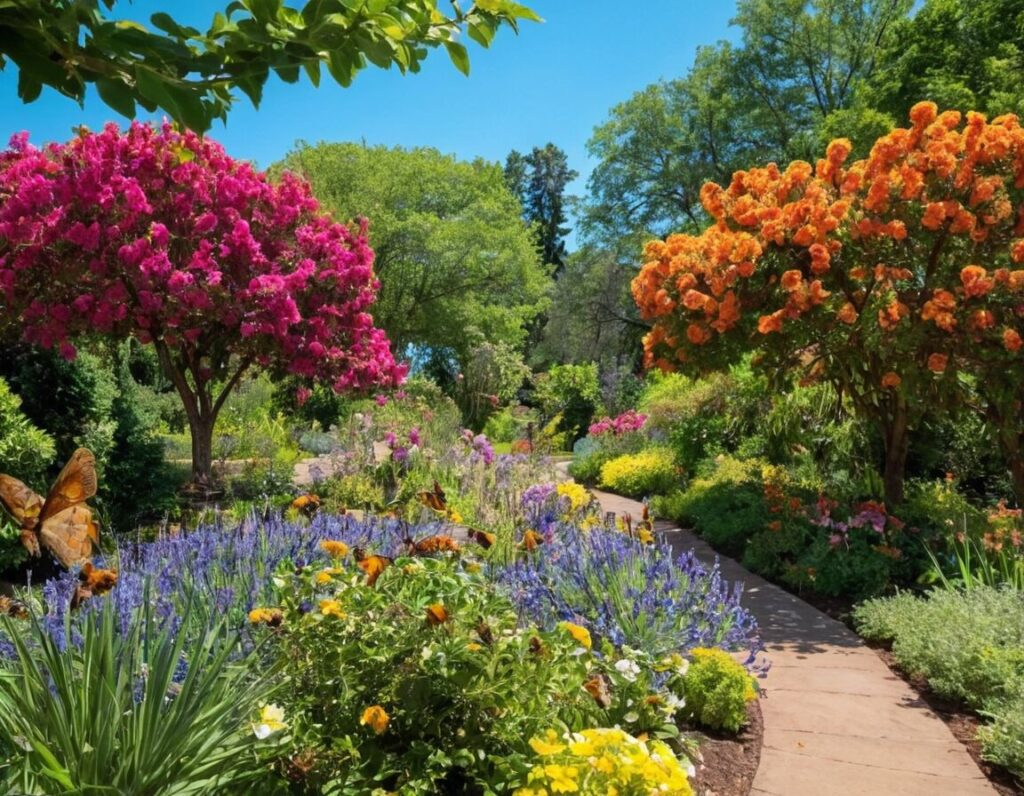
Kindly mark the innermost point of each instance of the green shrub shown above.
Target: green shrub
(726, 505)
(587, 469)
(649, 472)
(717, 690)
(510, 424)
(358, 491)
(571, 391)
(970, 646)
(25, 451)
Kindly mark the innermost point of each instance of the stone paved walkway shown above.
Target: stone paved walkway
(837, 721)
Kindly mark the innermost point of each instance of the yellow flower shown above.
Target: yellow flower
(581, 634)
(271, 720)
(473, 646)
(266, 616)
(331, 608)
(548, 745)
(376, 718)
(334, 548)
(323, 577)
(562, 778)
(473, 566)
(645, 536)
(577, 494)
(454, 516)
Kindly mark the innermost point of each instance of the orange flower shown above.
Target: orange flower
(1017, 251)
(982, 319)
(848, 313)
(975, 280)
(334, 548)
(923, 113)
(934, 215)
(890, 317)
(770, 323)
(937, 363)
(820, 258)
(1012, 340)
(792, 280)
(891, 380)
(697, 334)
(376, 718)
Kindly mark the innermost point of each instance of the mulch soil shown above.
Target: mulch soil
(728, 763)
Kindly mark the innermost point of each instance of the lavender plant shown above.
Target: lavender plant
(633, 594)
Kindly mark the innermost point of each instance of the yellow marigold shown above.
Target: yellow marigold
(581, 634)
(331, 608)
(376, 718)
(334, 548)
(323, 577)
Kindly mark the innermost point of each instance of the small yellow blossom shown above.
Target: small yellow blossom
(577, 494)
(581, 634)
(334, 548)
(548, 745)
(562, 779)
(455, 517)
(331, 608)
(323, 578)
(474, 647)
(376, 718)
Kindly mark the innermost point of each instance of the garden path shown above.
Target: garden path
(837, 721)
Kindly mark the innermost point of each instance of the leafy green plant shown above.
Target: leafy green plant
(423, 681)
(717, 690)
(25, 450)
(572, 391)
(970, 646)
(131, 712)
(652, 471)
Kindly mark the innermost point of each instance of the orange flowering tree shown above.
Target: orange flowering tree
(888, 277)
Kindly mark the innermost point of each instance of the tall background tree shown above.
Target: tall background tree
(192, 75)
(457, 264)
(159, 236)
(539, 180)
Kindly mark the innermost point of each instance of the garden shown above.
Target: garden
(373, 469)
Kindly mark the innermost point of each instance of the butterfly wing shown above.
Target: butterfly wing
(597, 687)
(75, 484)
(69, 535)
(373, 566)
(23, 504)
(434, 500)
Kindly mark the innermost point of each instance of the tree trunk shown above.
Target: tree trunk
(897, 442)
(201, 428)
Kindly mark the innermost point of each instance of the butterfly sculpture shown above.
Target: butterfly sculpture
(61, 522)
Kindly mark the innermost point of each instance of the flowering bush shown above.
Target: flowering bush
(835, 255)
(652, 471)
(425, 680)
(160, 236)
(626, 423)
(603, 761)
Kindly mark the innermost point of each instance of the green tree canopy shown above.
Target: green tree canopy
(191, 74)
(456, 262)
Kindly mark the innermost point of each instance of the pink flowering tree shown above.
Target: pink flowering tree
(159, 235)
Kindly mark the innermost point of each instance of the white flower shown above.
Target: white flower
(631, 717)
(673, 703)
(271, 720)
(627, 669)
(427, 653)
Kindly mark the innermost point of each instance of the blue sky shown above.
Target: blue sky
(554, 82)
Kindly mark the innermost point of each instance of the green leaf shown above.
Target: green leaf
(480, 33)
(117, 95)
(313, 71)
(29, 88)
(457, 52)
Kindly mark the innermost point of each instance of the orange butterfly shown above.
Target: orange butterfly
(307, 504)
(62, 522)
(437, 614)
(440, 543)
(435, 500)
(372, 565)
(92, 581)
(11, 607)
(483, 538)
(597, 687)
(531, 540)
(484, 633)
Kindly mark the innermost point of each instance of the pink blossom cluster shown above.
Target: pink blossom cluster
(628, 421)
(869, 514)
(160, 235)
